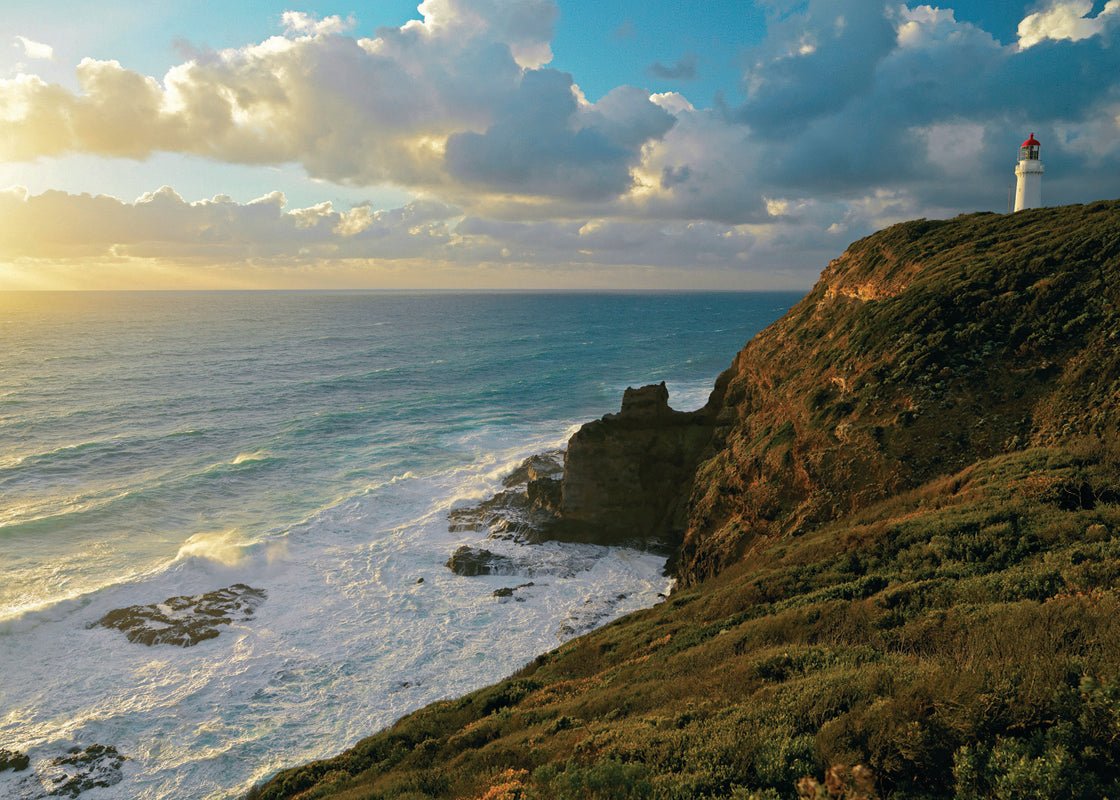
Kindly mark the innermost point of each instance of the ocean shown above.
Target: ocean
(309, 445)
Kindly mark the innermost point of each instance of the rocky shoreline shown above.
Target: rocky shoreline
(526, 507)
(609, 488)
(631, 458)
(618, 483)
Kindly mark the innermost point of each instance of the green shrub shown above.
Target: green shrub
(603, 780)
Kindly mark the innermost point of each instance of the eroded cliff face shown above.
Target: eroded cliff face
(626, 475)
(923, 348)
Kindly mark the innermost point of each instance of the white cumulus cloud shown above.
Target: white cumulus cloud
(1066, 19)
(455, 103)
(301, 22)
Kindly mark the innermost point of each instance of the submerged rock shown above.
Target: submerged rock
(95, 767)
(469, 561)
(187, 619)
(507, 591)
(13, 760)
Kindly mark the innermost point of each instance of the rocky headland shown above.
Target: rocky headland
(628, 475)
(896, 525)
(621, 481)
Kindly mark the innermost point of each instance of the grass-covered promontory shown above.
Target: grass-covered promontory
(901, 569)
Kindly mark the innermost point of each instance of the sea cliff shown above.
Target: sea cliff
(897, 537)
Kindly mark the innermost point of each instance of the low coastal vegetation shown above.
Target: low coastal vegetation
(900, 569)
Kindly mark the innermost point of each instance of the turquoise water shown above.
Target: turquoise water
(154, 444)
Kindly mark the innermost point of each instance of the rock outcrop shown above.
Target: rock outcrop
(470, 561)
(523, 510)
(185, 620)
(626, 475)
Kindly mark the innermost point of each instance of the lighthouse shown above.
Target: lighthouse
(1028, 175)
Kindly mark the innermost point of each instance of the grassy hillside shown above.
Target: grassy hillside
(901, 570)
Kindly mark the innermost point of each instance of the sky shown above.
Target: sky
(526, 144)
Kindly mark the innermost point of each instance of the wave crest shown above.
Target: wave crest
(223, 547)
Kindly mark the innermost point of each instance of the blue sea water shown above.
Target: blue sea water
(310, 444)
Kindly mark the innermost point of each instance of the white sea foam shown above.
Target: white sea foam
(256, 455)
(689, 396)
(348, 639)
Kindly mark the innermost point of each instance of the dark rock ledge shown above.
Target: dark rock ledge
(471, 561)
(185, 620)
(524, 509)
(509, 591)
(98, 766)
(622, 481)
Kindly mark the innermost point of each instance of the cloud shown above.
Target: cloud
(855, 113)
(683, 70)
(161, 226)
(33, 49)
(1067, 20)
(813, 62)
(456, 100)
(931, 111)
(303, 23)
(545, 142)
(705, 167)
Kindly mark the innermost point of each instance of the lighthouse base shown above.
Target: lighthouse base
(1028, 185)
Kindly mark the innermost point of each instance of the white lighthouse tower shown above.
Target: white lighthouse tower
(1028, 174)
